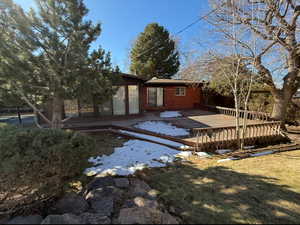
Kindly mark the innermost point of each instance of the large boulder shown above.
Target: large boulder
(34, 219)
(63, 219)
(144, 215)
(139, 188)
(103, 206)
(122, 182)
(98, 183)
(92, 218)
(71, 203)
(101, 200)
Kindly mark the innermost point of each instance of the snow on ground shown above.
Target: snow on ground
(133, 156)
(261, 153)
(223, 151)
(162, 128)
(226, 160)
(203, 154)
(170, 114)
(152, 138)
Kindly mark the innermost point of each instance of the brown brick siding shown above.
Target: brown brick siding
(192, 99)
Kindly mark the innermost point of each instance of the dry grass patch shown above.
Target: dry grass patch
(255, 190)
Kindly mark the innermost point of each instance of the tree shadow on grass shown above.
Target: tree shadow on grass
(220, 195)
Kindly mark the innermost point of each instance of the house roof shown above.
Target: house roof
(173, 82)
(126, 75)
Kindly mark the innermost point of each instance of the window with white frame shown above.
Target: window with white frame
(180, 91)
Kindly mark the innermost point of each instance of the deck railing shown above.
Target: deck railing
(251, 115)
(225, 136)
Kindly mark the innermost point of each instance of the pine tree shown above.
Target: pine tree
(45, 54)
(154, 54)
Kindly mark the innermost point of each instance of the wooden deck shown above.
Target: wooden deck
(209, 120)
(209, 130)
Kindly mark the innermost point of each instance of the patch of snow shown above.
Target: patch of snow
(184, 155)
(152, 138)
(226, 160)
(133, 156)
(223, 151)
(162, 128)
(185, 147)
(170, 114)
(261, 153)
(203, 154)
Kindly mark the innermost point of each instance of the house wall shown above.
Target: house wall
(192, 99)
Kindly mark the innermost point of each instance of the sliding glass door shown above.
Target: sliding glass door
(119, 106)
(134, 103)
(155, 97)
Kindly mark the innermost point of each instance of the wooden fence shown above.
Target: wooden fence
(223, 137)
(251, 115)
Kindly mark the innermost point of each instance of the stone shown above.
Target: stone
(142, 202)
(144, 215)
(99, 193)
(122, 182)
(71, 203)
(139, 188)
(93, 218)
(101, 200)
(153, 194)
(63, 219)
(34, 219)
(103, 206)
(129, 204)
(100, 182)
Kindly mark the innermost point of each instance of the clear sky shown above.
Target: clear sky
(123, 20)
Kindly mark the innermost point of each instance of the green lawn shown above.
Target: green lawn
(254, 190)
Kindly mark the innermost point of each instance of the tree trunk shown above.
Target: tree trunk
(57, 112)
(281, 103)
(279, 108)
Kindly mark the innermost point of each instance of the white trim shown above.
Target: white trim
(180, 91)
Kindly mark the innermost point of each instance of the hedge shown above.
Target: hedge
(37, 163)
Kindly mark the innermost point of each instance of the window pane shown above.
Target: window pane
(180, 91)
(86, 109)
(160, 97)
(134, 103)
(105, 109)
(71, 108)
(119, 102)
(152, 96)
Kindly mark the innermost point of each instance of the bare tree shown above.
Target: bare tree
(237, 74)
(275, 23)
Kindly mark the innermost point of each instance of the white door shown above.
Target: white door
(134, 103)
(119, 106)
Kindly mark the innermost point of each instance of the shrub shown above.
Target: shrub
(37, 163)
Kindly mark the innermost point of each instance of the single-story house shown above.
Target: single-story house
(136, 96)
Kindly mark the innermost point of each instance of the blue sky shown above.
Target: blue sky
(123, 20)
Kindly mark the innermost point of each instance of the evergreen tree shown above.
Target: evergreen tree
(45, 54)
(154, 54)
